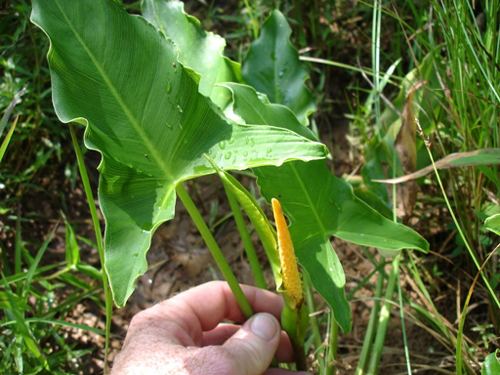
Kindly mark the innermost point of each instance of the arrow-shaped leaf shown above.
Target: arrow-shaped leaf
(324, 205)
(333, 209)
(273, 67)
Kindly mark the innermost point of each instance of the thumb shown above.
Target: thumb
(253, 346)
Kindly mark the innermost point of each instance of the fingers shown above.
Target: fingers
(219, 334)
(189, 319)
(254, 345)
(223, 332)
(186, 316)
(214, 301)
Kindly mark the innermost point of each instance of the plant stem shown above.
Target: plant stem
(332, 345)
(253, 260)
(393, 80)
(215, 250)
(313, 322)
(294, 321)
(383, 320)
(376, 24)
(370, 329)
(108, 299)
(5, 143)
(403, 329)
(300, 356)
(374, 325)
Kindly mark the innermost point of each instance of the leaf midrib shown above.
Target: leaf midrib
(277, 92)
(130, 116)
(309, 200)
(336, 232)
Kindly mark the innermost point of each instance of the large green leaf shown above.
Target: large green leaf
(117, 75)
(199, 50)
(319, 206)
(273, 67)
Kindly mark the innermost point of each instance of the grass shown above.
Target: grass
(36, 302)
(359, 56)
(108, 299)
(464, 67)
(43, 279)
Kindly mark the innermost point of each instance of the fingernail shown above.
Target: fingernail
(264, 326)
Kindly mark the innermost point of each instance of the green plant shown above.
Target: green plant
(160, 113)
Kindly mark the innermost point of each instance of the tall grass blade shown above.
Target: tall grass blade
(490, 156)
(459, 346)
(6, 141)
(472, 254)
(89, 195)
(10, 109)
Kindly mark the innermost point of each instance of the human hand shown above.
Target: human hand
(184, 335)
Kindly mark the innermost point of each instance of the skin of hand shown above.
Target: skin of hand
(185, 335)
